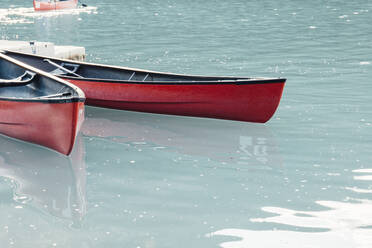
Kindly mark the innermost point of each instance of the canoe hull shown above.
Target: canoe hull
(53, 125)
(52, 5)
(256, 102)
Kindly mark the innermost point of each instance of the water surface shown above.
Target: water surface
(142, 180)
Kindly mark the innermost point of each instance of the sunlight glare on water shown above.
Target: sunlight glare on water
(28, 15)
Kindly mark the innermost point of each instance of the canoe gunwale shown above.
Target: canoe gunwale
(43, 100)
(175, 82)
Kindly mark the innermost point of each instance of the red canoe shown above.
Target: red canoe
(38, 107)
(42, 5)
(233, 98)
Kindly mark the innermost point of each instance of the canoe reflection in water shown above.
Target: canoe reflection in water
(219, 140)
(44, 179)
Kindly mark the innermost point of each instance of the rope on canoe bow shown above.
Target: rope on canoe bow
(22, 80)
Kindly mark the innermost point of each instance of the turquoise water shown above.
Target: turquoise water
(141, 180)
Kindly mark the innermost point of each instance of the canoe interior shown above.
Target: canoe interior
(40, 87)
(102, 72)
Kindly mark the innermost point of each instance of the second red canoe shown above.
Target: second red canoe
(233, 98)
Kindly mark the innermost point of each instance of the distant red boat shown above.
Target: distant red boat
(43, 5)
(37, 107)
(233, 98)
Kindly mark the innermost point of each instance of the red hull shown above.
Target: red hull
(55, 5)
(255, 102)
(53, 125)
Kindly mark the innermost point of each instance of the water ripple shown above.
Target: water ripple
(340, 225)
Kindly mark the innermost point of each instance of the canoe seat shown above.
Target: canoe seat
(147, 75)
(134, 73)
(64, 69)
(72, 67)
(24, 79)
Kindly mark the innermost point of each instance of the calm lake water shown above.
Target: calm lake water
(304, 179)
